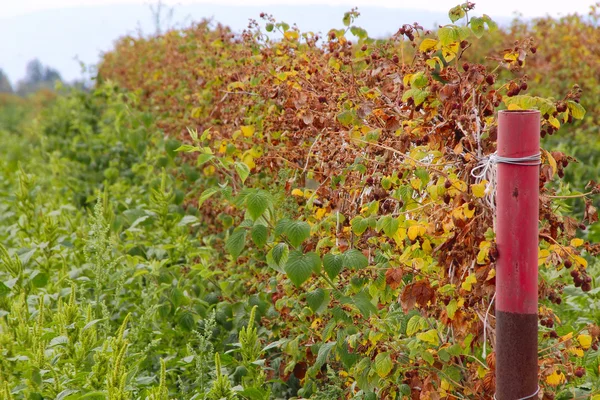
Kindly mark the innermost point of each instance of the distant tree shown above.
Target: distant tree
(5, 86)
(37, 77)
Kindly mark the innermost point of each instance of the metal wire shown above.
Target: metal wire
(526, 397)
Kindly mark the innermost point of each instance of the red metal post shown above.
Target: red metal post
(517, 215)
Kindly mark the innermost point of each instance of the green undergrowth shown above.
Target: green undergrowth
(107, 286)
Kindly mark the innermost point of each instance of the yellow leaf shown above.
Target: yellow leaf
(551, 161)
(478, 189)
(297, 192)
(555, 379)
(513, 106)
(320, 213)
(468, 283)
(585, 341)
(576, 351)
(413, 232)
(248, 130)
(468, 212)
(484, 250)
(427, 44)
(427, 246)
(566, 337)
(576, 242)
(416, 183)
(580, 261)
(248, 160)
(491, 274)
(554, 122)
(399, 236)
(511, 56)
(543, 255)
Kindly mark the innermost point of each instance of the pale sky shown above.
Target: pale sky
(527, 8)
(63, 33)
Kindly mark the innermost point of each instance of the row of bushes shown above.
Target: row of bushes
(262, 218)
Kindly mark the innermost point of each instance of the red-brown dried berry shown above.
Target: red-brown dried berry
(595, 346)
(463, 44)
(569, 264)
(582, 226)
(370, 180)
(533, 49)
(490, 79)
(395, 59)
(561, 107)
(322, 99)
(579, 372)
(364, 47)
(553, 334)
(523, 85)
(574, 273)
(447, 184)
(465, 66)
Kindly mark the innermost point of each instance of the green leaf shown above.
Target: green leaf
(355, 259)
(362, 301)
(444, 355)
(4, 290)
(204, 158)
(415, 324)
(317, 299)
(257, 202)
(346, 20)
(259, 234)
(236, 242)
(431, 337)
(280, 252)
(347, 358)
(277, 257)
(207, 194)
(253, 393)
(448, 35)
(419, 80)
(359, 225)
(347, 117)
(299, 267)
(359, 32)
(456, 13)
(389, 225)
(269, 27)
(40, 279)
(451, 308)
(297, 232)
(477, 26)
(187, 148)
(383, 364)
(333, 264)
(242, 170)
(186, 320)
(323, 355)
(576, 109)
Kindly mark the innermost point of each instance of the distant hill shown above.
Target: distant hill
(59, 37)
